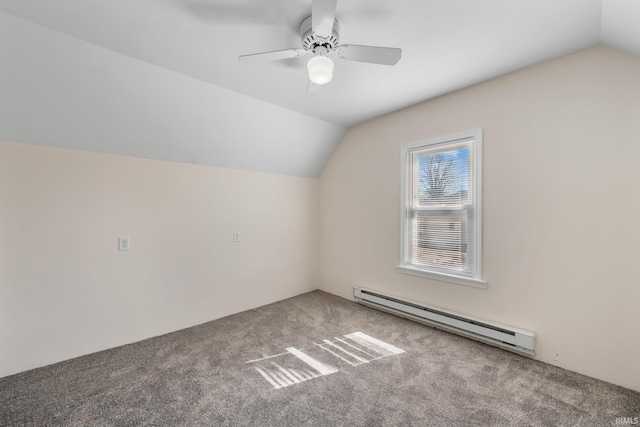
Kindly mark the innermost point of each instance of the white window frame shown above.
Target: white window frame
(473, 278)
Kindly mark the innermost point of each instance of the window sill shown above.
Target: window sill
(458, 280)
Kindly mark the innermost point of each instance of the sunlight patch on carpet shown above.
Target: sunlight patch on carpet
(296, 366)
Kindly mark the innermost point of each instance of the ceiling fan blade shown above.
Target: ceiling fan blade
(275, 55)
(372, 54)
(312, 87)
(323, 13)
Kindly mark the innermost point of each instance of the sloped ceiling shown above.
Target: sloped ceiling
(161, 78)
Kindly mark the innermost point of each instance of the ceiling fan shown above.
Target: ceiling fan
(320, 37)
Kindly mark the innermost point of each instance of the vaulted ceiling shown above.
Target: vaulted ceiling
(193, 47)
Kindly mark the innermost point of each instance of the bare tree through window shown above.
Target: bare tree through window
(439, 178)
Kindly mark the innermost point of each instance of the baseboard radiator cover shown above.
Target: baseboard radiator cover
(507, 337)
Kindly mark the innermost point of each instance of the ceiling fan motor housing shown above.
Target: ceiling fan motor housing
(310, 40)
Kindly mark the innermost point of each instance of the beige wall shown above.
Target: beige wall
(561, 208)
(65, 290)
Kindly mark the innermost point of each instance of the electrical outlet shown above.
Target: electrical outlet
(123, 243)
(236, 236)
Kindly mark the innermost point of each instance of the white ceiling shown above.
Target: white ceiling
(447, 44)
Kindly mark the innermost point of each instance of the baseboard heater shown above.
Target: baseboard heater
(513, 339)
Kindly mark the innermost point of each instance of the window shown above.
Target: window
(441, 209)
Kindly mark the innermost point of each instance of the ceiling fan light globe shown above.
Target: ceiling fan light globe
(320, 69)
